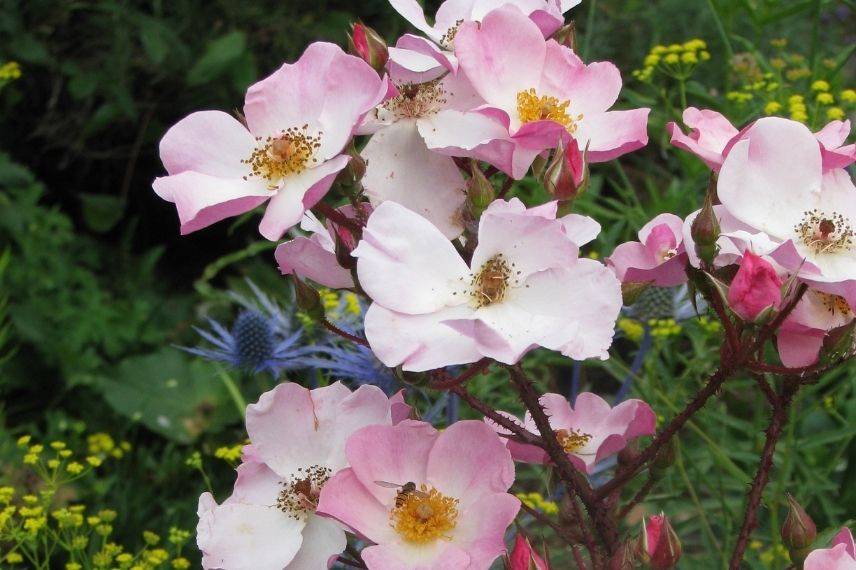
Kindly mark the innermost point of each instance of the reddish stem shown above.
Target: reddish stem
(524, 435)
(338, 217)
(344, 334)
(762, 477)
(473, 370)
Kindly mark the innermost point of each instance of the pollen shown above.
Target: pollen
(448, 39)
(825, 233)
(276, 157)
(532, 107)
(571, 440)
(836, 304)
(415, 100)
(424, 516)
(299, 496)
(492, 281)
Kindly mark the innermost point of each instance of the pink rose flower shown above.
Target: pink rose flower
(298, 442)
(841, 555)
(711, 137)
(537, 93)
(755, 287)
(524, 287)
(426, 499)
(658, 257)
(399, 166)
(419, 54)
(773, 181)
(590, 431)
(298, 120)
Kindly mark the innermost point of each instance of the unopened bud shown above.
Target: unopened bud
(566, 175)
(705, 229)
(344, 247)
(567, 36)
(410, 378)
(480, 191)
(308, 300)
(659, 546)
(840, 342)
(798, 530)
(524, 557)
(368, 45)
(351, 175)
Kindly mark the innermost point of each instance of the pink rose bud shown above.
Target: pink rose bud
(755, 287)
(660, 547)
(368, 45)
(524, 557)
(566, 174)
(798, 530)
(705, 229)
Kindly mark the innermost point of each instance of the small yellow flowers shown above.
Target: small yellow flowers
(835, 113)
(825, 98)
(74, 468)
(676, 60)
(820, 85)
(848, 95)
(537, 501)
(772, 108)
(14, 558)
(181, 563)
(632, 329)
(93, 460)
(9, 71)
(229, 454)
(24, 440)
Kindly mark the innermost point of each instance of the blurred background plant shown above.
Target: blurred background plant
(99, 291)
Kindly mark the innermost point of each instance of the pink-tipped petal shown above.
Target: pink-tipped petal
(613, 133)
(202, 200)
(402, 251)
(210, 142)
(306, 258)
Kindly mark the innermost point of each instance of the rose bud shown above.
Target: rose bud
(368, 45)
(659, 546)
(566, 175)
(798, 530)
(524, 557)
(755, 287)
(308, 300)
(567, 36)
(480, 191)
(705, 230)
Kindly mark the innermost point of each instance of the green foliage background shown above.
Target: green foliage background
(97, 286)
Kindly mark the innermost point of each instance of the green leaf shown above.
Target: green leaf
(218, 58)
(154, 37)
(102, 212)
(172, 394)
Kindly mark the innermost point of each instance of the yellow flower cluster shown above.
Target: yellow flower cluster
(664, 328)
(39, 528)
(791, 88)
(336, 305)
(675, 60)
(230, 454)
(632, 329)
(9, 71)
(538, 502)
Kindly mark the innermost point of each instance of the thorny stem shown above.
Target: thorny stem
(780, 405)
(576, 485)
(474, 370)
(517, 430)
(344, 334)
(506, 186)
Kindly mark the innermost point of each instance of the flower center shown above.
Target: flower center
(836, 304)
(423, 516)
(491, 282)
(416, 100)
(288, 153)
(299, 496)
(449, 37)
(571, 440)
(825, 233)
(531, 107)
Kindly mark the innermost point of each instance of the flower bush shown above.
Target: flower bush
(444, 245)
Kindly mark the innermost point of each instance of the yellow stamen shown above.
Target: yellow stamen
(571, 440)
(288, 153)
(491, 283)
(425, 516)
(531, 107)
